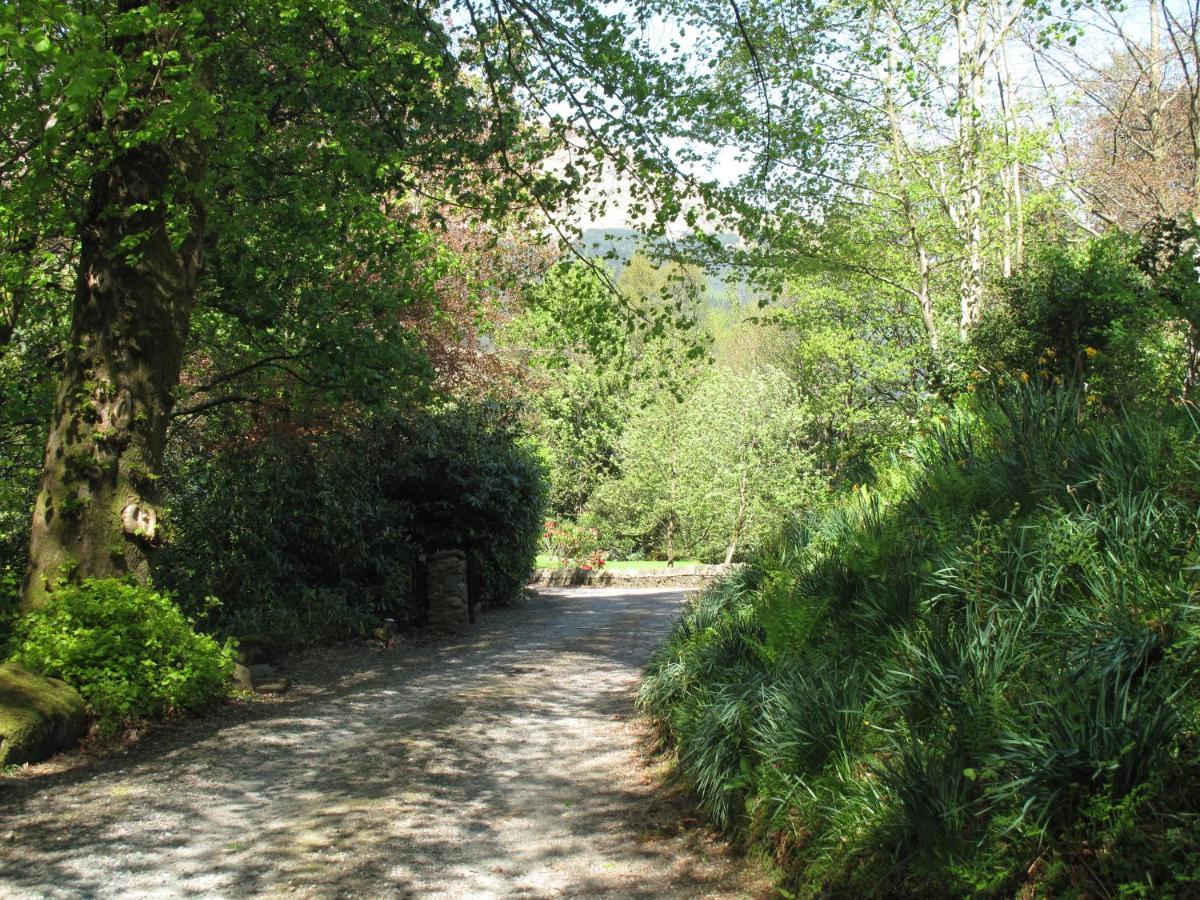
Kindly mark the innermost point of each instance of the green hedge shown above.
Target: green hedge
(314, 538)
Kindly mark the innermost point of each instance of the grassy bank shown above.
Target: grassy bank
(978, 678)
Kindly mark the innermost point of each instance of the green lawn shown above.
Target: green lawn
(632, 565)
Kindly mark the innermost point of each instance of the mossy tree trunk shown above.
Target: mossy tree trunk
(141, 245)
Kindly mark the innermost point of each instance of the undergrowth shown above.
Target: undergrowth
(975, 678)
(128, 650)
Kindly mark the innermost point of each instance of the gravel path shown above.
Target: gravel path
(504, 763)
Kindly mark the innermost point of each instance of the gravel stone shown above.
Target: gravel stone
(504, 762)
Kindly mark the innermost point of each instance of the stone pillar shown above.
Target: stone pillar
(448, 589)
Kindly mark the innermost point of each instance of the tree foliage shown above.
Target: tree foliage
(258, 187)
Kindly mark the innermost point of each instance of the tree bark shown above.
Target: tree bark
(739, 522)
(1010, 176)
(1182, 33)
(671, 541)
(970, 102)
(971, 52)
(96, 509)
(924, 297)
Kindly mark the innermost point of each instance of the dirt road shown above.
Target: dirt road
(504, 763)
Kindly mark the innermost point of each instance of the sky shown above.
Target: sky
(1037, 85)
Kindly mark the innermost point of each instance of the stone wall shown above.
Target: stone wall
(676, 576)
(448, 598)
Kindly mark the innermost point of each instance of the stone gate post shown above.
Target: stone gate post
(448, 589)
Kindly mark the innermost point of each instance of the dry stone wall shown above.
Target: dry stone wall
(676, 576)
(448, 597)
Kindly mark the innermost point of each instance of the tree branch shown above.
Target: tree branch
(206, 405)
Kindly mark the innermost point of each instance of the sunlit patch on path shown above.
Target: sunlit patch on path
(504, 763)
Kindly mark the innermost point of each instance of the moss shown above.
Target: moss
(72, 505)
(135, 468)
(60, 568)
(38, 716)
(80, 464)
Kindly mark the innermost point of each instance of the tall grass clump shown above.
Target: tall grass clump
(974, 678)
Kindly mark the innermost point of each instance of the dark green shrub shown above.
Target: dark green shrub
(295, 534)
(468, 482)
(127, 649)
(10, 598)
(309, 538)
(29, 364)
(1085, 315)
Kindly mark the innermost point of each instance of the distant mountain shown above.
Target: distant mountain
(602, 243)
(616, 246)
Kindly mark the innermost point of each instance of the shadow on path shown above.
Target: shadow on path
(498, 764)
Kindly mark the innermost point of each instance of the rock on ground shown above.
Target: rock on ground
(38, 715)
(505, 763)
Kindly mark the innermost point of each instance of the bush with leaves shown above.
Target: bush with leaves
(27, 369)
(1086, 315)
(469, 481)
(712, 473)
(572, 544)
(585, 372)
(293, 533)
(128, 650)
(316, 537)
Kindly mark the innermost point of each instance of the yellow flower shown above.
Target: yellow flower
(1091, 351)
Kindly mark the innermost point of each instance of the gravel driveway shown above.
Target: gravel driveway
(503, 763)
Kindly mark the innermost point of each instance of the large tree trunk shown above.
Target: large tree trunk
(96, 512)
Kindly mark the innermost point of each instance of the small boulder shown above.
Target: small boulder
(275, 686)
(241, 677)
(38, 716)
(260, 678)
(254, 649)
(266, 681)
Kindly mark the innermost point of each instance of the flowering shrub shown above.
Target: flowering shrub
(573, 545)
(596, 561)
